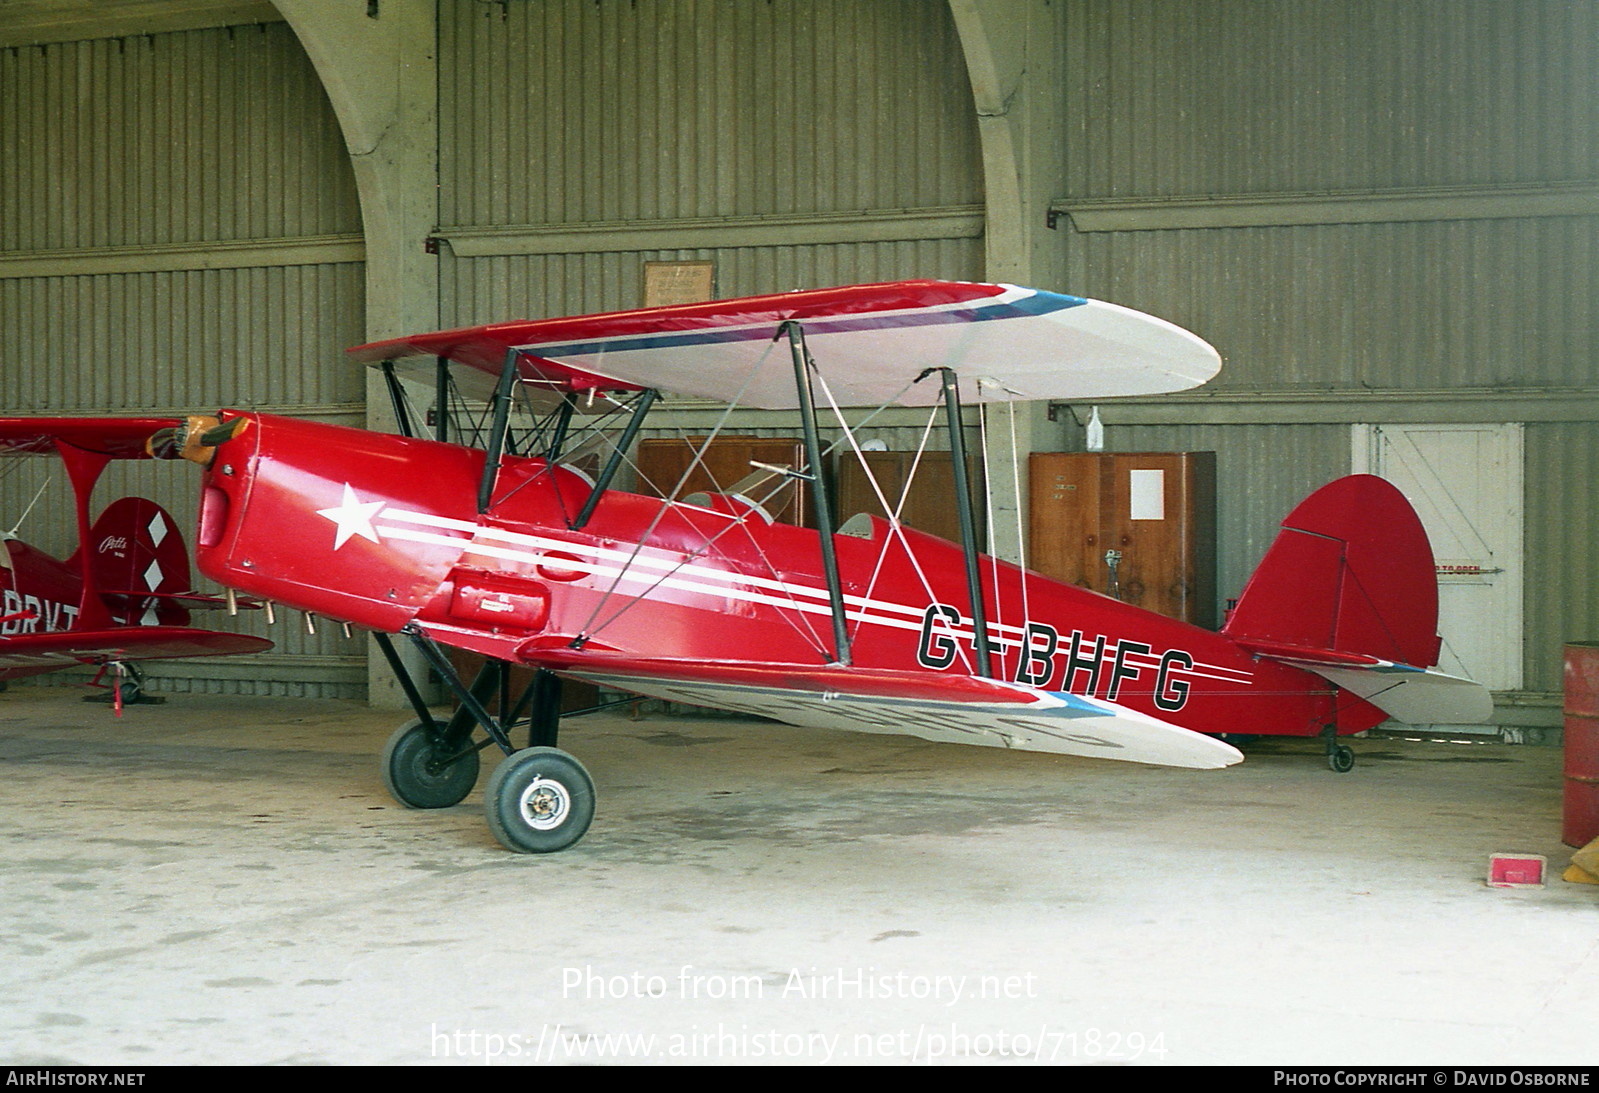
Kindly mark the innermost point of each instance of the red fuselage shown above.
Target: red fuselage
(382, 531)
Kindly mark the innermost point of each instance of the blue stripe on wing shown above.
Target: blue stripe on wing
(1077, 706)
(1030, 306)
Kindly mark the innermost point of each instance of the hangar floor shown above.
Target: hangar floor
(224, 880)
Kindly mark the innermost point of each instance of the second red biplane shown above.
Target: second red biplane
(522, 551)
(124, 595)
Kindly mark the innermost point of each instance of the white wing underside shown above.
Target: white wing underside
(1058, 724)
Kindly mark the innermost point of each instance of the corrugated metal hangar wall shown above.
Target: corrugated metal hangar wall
(1382, 213)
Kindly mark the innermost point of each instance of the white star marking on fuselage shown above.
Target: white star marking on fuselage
(354, 517)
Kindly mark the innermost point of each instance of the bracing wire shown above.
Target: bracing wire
(896, 528)
(592, 625)
(12, 534)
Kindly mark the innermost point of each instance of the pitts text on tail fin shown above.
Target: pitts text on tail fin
(140, 562)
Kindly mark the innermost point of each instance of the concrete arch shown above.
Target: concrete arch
(377, 65)
(1010, 48)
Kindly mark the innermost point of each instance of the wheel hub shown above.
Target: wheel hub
(545, 804)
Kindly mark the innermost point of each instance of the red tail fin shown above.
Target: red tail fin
(136, 550)
(1350, 572)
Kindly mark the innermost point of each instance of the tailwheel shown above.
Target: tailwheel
(1340, 757)
(539, 800)
(422, 768)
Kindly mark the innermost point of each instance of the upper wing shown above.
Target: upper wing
(943, 708)
(57, 647)
(870, 343)
(113, 437)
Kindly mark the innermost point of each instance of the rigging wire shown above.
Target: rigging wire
(895, 526)
(12, 534)
(593, 625)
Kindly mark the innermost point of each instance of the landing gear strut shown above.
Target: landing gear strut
(538, 800)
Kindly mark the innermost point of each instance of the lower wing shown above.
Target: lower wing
(59, 647)
(941, 708)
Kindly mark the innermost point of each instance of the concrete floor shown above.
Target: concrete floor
(223, 880)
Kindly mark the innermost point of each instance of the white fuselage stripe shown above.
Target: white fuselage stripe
(725, 584)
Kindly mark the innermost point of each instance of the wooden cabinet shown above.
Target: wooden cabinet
(1138, 526)
(662, 463)
(930, 504)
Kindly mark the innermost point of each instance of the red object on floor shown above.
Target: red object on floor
(1516, 870)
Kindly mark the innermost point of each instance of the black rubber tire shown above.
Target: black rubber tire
(412, 776)
(1341, 759)
(539, 800)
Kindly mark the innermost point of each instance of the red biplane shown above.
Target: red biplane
(523, 552)
(124, 596)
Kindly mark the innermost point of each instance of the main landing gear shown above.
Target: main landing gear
(424, 766)
(538, 800)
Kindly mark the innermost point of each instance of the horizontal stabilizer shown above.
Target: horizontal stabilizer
(941, 708)
(1416, 696)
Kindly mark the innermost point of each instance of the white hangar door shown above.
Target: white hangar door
(1466, 483)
